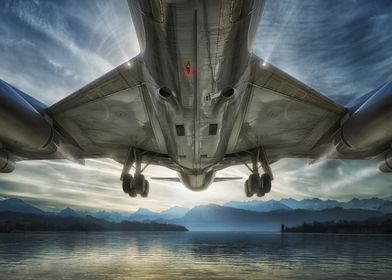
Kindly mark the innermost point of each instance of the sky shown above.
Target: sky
(50, 49)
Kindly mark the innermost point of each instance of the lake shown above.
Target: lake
(194, 255)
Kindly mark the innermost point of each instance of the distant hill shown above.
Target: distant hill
(386, 208)
(113, 216)
(258, 206)
(220, 218)
(68, 212)
(377, 225)
(233, 216)
(318, 204)
(18, 205)
(173, 213)
(369, 203)
(142, 214)
(12, 221)
(310, 204)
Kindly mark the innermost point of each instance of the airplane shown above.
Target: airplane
(195, 100)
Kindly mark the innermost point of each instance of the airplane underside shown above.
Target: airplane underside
(195, 100)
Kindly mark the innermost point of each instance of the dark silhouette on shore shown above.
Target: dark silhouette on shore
(13, 221)
(370, 226)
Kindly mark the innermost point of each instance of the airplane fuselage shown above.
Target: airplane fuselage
(196, 66)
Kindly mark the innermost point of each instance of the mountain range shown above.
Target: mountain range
(234, 215)
(221, 218)
(141, 214)
(313, 204)
(18, 205)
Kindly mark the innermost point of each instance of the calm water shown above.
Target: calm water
(193, 255)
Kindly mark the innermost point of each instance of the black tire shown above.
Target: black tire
(260, 192)
(146, 189)
(266, 180)
(139, 183)
(132, 192)
(127, 183)
(255, 183)
(248, 191)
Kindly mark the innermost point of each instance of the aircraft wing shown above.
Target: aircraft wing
(110, 115)
(282, 115)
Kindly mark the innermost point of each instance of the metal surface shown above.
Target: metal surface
(21, 125)
(386, 162)
(195, 100)
(196, 49)
(7, 165)
(369, 125)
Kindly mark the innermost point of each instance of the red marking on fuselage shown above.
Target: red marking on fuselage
(188, 69)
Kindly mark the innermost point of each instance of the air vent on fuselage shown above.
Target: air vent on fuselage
(213, 129)
(180, 130)
(165, 92)
(228, 92)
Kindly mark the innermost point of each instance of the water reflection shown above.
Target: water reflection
(193, 255)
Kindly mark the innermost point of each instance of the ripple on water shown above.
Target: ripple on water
(193, 255)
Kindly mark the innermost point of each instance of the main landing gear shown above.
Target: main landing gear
(137, 184)
(259, 185)
(256, 184)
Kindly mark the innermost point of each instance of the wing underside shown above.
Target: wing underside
(110, 115)
(282, 115)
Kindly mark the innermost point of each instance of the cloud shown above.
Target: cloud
(57, 51)
(50, 49)
(340, 48)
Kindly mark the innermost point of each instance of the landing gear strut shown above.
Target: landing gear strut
(256, 184)
(137, 184)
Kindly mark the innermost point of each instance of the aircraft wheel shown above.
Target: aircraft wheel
(255, 183)
(146, 189)
(266, 182)
(260, 192)
(248, 189)
(132, 192)
(139, 183)
(127, 183)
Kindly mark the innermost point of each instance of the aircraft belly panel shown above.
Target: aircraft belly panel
(202, 49)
